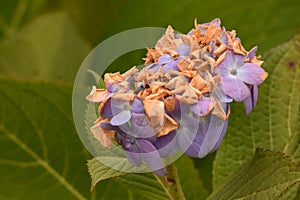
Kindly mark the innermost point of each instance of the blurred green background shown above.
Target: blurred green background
(46, 41)
(51, 38)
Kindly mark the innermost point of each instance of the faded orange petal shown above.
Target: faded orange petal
(221, 58)
(221, 49)
(152, 56)
(111, 78)
(165, 42)
(256, 61)
(185, 64)
(104, 137)
(130, 72)
(170, 103)
(97, 95)
(198, 82)
(155, 111)
(219, 111)
(238, 48)
(129, 96)
(170, 125)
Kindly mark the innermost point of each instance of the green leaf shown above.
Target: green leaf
(100, 172)
(41, 155)
(191, 182)
(274, 122)
(48, 48)
(38, 151)
(266, 176)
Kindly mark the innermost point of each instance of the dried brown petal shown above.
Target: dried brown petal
(155, 111)
(111, 78)
(170, 125)
(198, 82)
(170, 103)
(97, 95)
(104, 137)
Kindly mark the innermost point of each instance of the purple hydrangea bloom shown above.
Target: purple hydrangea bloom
(181, 99)
(237, 75)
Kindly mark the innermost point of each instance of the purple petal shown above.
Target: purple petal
(107, 126)
(121, 118)
(141, 126)
(183, 49)
(167, 144)
(250, 102)
(107, 111)
(165, 59)
(212, 136)
(231, 61)
(153, 67)
(172, 65)
(187, 132)
(194, 148)
(251, 74)
(132, 151)
(252, 52)
(225, 107)
(118, 106)
(203, 107)
(151, 157)
(235, 88)
(137, 106)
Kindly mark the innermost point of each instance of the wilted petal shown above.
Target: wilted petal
(121, 118)
(252, 74)
(104, 136)
(97, 95)
(250, 102)
(155, 111)
(235, 88)
(170, 125)
(151, 156)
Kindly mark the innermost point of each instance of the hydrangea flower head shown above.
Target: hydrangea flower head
(181, 99)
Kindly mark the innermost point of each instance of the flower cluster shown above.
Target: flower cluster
(180, 99)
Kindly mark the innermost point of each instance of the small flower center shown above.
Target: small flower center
(132, 140)
(233, 72)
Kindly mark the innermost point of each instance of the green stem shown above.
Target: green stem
(171, 183)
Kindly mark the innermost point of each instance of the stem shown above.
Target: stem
(171, 183)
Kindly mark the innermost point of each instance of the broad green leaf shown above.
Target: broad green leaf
(48, 48)
(146, 185)
(191, 182)
(39, 144)
(41, 156)
(100, 172)
(267, 176)
(274, 122)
